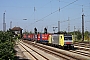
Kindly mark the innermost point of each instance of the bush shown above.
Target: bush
(6, 46)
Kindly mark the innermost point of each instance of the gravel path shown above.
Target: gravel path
(19, 54)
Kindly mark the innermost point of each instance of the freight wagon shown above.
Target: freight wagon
(42, 38)
(30, 36)
(25, 37)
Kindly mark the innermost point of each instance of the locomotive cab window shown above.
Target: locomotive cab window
(61, 37)
(67, 38)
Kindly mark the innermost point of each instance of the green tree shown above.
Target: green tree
(6, 46)
(79, 35)
(30, 32)
(86, 35)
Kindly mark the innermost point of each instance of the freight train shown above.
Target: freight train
(61, 40)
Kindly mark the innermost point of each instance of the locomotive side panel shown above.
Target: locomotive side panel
(55, 39)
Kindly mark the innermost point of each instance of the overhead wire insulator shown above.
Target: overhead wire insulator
(59, 9)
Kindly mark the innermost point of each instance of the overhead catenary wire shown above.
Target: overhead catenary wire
(69, 20)
(54, 12)
(75, 3)
(69, 4)
(57, 10)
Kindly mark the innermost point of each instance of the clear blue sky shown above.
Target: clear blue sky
(42, 11)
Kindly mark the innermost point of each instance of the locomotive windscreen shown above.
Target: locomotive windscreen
(68, 37)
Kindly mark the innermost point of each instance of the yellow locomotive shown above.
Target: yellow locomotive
(62, 40)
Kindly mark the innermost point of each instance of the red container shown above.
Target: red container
(32, 36)
(29, 36)
(43, 36)
(38, 37)
(24, 36)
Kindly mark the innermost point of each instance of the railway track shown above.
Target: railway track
(57, 53)
(87, 45)
(58, 56)
(38, 55)
(81, 52)
(82, 46)
(35, 54)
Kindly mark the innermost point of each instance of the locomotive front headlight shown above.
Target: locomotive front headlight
(65, 45)
(72, 45)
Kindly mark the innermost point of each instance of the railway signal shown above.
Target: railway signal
(35, 30)
(45, 30)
